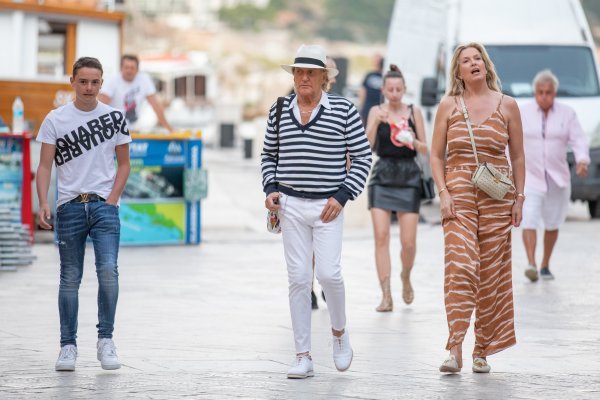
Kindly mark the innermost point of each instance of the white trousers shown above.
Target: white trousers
(304, 234)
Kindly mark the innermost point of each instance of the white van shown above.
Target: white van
(522, 37)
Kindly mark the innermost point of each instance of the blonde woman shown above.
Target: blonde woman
(477, 228)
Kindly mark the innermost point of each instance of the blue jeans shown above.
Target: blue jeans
(74, 223)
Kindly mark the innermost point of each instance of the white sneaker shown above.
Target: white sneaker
(302, 368)
(107, 354)
(532, 273)
(66, 358)
(342, 352)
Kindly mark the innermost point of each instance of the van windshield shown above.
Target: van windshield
(573, 65)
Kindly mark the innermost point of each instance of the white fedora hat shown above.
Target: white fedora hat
(310, 56)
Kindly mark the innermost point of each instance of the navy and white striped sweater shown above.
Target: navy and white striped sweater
(312, 158)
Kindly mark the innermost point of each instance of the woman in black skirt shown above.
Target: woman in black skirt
(396, 133)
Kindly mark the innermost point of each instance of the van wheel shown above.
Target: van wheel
(594, 207)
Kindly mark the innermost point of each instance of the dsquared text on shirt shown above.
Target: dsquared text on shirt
(84, 137)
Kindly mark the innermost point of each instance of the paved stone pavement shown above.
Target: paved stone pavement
(212, 321)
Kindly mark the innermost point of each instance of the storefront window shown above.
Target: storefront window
(200, 86)
(180, 87)
(52, 39)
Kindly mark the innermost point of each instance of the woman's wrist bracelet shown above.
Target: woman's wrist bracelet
(521, 195)
(441, 190)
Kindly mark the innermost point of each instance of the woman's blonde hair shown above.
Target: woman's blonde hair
(456, 86)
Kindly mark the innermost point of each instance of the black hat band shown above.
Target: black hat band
(308, 60)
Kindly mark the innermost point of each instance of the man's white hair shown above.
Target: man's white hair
(545, 76)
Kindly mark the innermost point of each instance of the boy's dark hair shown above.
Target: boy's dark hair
(130, 57)
(87, 62)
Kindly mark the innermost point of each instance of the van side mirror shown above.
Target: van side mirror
(429, 92)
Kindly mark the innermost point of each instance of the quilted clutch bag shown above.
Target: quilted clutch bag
(491, 181)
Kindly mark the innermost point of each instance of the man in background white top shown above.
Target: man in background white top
(128, 91)
(549, 129)
(83, 138)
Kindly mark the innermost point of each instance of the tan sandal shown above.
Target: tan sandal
(408, 294)
(387, 304)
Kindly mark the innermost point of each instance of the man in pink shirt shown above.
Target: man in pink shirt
(549, 127)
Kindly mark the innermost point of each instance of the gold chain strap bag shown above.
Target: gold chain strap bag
(486, 176)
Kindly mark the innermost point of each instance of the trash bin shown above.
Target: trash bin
(247, 132)
(226, 136)
(247, 148)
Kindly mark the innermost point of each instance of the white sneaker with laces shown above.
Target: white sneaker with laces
(107, 354)
(342, 352)
(301, 368)
(66, 358)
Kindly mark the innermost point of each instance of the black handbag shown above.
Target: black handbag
(427, 184)
(427, 188)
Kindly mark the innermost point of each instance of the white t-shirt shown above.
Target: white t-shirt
(129, 96)
(85, 148)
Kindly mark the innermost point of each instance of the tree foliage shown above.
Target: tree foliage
(592, 8)
(362, 20)
(245, 16)
(354, 20)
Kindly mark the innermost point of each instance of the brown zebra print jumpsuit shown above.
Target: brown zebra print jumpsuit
(478, 270)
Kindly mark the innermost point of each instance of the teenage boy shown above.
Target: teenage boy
(82, 138)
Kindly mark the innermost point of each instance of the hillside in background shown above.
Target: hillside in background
(592, 12)
(249, 43)
(361, 21)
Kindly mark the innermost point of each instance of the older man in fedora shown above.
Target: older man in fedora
(306, 180)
